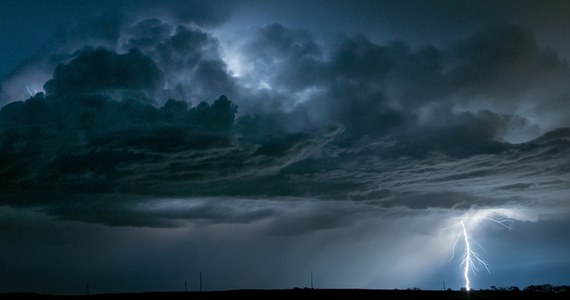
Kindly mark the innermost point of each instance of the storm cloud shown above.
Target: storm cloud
(155, 119)
(347, 111)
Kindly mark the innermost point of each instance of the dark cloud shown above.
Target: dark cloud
(165, 36)
(351, 120)
(445, 200)
(80, 138)
(285, 57)
(505, 63)
(211, 75)
(464, 135)
(147, 33)
(92, 140)
(372, 88)
(99, 30)
(188, 56)
(99, 69)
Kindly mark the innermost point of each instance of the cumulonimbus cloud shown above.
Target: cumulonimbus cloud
(388, 125)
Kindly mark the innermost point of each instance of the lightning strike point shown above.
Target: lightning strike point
(467, 259)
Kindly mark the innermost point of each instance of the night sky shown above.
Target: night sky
(144, 142)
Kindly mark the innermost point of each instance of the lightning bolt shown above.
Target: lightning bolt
(472, 261)
(467, 258)
(29, 91)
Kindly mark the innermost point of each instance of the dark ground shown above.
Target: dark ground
(317, 294)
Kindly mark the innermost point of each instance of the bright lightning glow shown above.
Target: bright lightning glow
(472, 261)
(467, 259)
(469, 222)
(235, 63)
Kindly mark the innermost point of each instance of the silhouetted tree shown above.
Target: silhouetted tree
(544, 288)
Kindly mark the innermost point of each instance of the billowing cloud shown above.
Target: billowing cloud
(156, 141)
(123, 28)
(388, 125)
(100, 69)
(375, 87)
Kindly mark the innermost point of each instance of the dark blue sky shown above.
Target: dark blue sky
(28, 24)
(143, 142)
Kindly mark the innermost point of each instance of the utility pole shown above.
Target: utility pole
(200, 281)
(311, 279)
(185, 286)
(444, 285)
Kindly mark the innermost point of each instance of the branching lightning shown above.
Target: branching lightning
(467, 259)
(472, 261)
(32, 91)
(29, 91)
